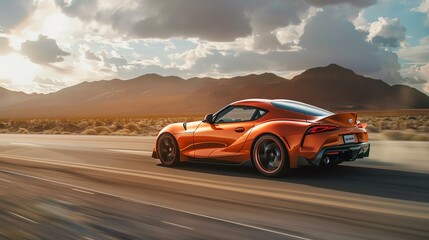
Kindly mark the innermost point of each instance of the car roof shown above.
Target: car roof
(254, 102)
(262, 102)
(267, 104)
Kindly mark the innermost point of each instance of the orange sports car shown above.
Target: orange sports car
(275, 135)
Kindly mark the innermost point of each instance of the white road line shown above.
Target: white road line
(160, 206)
(25, 144)
(82, 191)
(385, 208)
(177, 225)
(4, 180)
(22, 217)
(136, 152)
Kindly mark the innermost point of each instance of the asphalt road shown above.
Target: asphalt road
(96, 187)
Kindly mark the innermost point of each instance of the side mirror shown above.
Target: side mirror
(208, 118)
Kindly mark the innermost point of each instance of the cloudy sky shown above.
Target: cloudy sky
(46, 45)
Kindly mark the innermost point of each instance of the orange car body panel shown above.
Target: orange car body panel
(220, 142)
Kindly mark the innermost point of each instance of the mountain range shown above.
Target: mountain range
(332, 87)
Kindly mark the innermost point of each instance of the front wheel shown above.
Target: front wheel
(269, 156)
(168, 150)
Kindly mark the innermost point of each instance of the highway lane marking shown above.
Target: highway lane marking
(177, 225)
(22, 217)
(350, 203)
(4, 180)
(158, 205)
(25, 144)
(136, 152)
(82, 191)
(171, 177)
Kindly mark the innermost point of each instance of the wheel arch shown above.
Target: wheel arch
(282, 140)
(289, 132)
(170, 135)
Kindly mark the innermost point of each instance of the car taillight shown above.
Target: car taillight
(319, 129)
(362, 125)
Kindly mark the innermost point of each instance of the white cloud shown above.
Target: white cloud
(85, 51)
(14, 12)
(44, 84)
(83, 9)
(359, 3)
(387, 32)
(43, 50)
(148, 62)
(423, 8)
(220, 20)
(417, 75)
(187, 59)
(327, 38)
(418, 54)
(114, 61)
(4, 46)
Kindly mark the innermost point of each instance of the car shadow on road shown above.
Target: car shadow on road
(367, 180)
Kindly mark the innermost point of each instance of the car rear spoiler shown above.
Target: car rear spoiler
(347, 119)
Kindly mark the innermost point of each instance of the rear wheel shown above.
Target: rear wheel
(168, 150)
(269, 156)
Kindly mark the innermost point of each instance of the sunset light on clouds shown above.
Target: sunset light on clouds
(46, 45)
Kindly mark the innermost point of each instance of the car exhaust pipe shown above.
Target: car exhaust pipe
(326, 160)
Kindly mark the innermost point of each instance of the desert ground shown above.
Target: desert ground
(384, 125)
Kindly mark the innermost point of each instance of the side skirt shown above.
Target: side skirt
(216, 161)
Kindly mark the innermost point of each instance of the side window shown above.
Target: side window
(235, 114)
(258, 114)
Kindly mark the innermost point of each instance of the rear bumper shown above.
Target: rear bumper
(346, 152)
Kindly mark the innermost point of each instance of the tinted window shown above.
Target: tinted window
(258, 114)
(301, 108)
(235, 114)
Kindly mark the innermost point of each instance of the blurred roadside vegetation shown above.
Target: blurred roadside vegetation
(393, 126)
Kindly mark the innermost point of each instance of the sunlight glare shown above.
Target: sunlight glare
(18, 69)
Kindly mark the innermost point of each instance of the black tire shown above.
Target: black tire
(269, 156)
(168, 150)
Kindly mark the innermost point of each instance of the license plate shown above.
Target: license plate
(349, 138)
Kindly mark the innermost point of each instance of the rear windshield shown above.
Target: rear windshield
(301, 108)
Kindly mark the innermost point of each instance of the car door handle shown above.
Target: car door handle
(239, 129)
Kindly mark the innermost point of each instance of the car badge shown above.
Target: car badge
(350, 120)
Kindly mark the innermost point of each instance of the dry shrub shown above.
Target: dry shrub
(122, 132)
(71, 127)
(116, 126)
(422, 129)
(23, 131)
(132, 127)
(99, 130)
(83, 124)
(409, 126)
(405, 135)
(98, 123)
(48, 132)
(89, 132)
